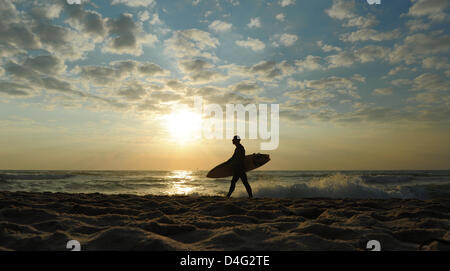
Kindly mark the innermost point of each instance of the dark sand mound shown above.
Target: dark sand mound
(46, 221)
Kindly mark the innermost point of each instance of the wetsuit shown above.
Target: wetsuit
(237, 162)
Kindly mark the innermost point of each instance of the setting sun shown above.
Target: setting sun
(183, 126)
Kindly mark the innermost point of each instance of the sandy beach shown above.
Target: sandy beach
(46, 221)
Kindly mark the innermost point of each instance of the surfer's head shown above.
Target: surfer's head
(236, 140)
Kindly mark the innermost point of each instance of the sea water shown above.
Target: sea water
(278, 184)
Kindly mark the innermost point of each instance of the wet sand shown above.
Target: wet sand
(46, 221)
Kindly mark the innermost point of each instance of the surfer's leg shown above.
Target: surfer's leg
(232, 185)
(246, 184)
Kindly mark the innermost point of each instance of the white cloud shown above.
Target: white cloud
(342, 59)
(288, 39)
(401, 82)
(433, 9)
(135, 3)
(191, 43)
(431, 82)
(371, 53)
(309, 63)
(254, 44)
(341, 10)
(416, 25)
(417, 46)
(383, 91)
(220, 26)
(143, 16)
(48, 11)
(254, 23)
(365, 34)
(435, 62)
(155, 19)
(328, 48)
(362, 21)
(285, 3)
(280, 17)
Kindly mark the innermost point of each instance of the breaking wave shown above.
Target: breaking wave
(339, 186)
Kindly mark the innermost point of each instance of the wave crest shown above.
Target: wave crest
(338, 186)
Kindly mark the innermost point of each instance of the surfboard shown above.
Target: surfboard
(251, 161)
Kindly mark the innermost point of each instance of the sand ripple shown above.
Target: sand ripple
(46, 221)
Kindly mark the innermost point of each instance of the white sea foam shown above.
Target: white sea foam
(337, 186)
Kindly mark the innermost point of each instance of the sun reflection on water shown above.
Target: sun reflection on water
(180, 182)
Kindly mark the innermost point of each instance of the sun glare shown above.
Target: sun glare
(183, 126)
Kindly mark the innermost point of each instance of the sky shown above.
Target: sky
(110, 85)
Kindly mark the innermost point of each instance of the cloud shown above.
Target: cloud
(433, 9)
(126, 37)
(14, 35)
(254, 44)
(165, 96)
(280, 17)
(254, 23)
(87, 22)
(155, 19)
(144, 15)
(431, 82)
(358, 77)
(435, 62)
(328, 48)
(371, 53)
(191, 43)
(366, 34)
(329, 83)
(288, 39)
(135, 3)
(309, 63)
(383, 91)
(132, 91)
(223, 96)
(418, 46)
(46, 10)
(266, 71)
(152, 106)
(362, 21)
(37, 80)
(45, 64)
(119, 70)
(365, 54)
(246, 87)
(14, 89)
(285, 3)
(401, 82)
(200, 71)
(428, 97)
(342, 59)
(175, 84)
(398, 69)
(416, 25)
(220, 26)
(341, 10)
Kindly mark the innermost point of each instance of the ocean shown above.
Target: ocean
(276, 184)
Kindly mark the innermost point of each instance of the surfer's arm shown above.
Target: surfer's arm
(233, 158)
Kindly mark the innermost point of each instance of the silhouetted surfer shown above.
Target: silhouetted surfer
(237, 162)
